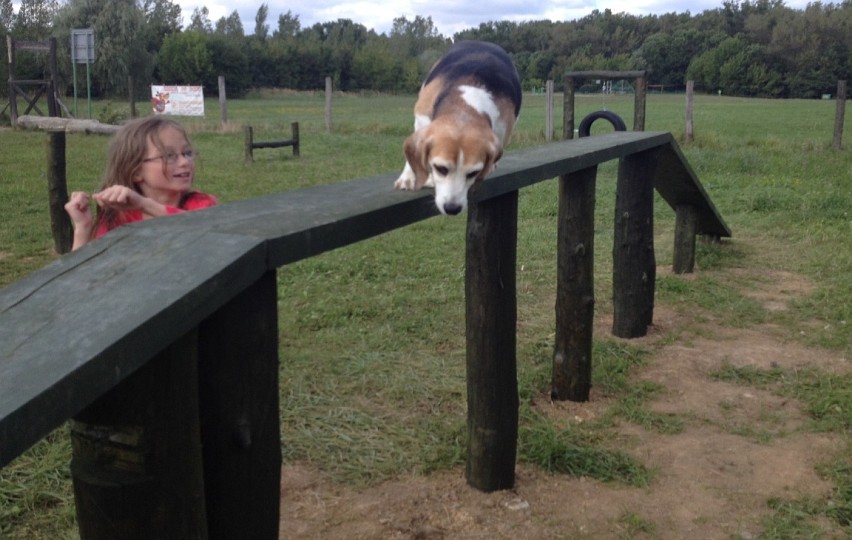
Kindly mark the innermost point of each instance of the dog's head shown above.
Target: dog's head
(452, 157)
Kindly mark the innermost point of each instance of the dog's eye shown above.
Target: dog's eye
(441, 170)
(473, 174)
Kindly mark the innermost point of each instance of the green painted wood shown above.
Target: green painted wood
(74, 329)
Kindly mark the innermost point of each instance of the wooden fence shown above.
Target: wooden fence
(159, 341)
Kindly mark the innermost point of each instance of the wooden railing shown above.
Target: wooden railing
(159, 341)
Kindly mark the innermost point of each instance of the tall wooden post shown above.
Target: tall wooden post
(136, 459)
(575, 291)
(13, 95)
(839, 114)
(223, 102)
(328, 104)
(57, 189)
(633, 261)
(238, 407)
(548, 124)
(491, 315)
(639, 98)
(690, 91)
(568, 109)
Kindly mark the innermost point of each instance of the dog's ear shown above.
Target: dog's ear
(417, 147)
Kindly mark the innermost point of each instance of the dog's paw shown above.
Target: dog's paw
(406, 180)
(404, 183)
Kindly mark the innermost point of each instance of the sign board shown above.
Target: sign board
(83, 46)
(178, 100)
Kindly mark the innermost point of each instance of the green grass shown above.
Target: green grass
(372, 335)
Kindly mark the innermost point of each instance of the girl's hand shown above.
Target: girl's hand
(119, 198)
(78, 209)
(123, 198)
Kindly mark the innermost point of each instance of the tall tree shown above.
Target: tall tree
(200, 21)
(7, 16)
(34, 20)
(261, 29)
(230, 25)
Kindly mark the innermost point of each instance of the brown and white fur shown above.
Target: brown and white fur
(463, 118)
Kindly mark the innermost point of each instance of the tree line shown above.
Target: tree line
(743, 48)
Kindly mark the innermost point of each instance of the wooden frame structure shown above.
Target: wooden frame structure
(640, 89)
(44, 87)
(175, 401)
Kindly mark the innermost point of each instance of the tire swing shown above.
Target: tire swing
(611, 117)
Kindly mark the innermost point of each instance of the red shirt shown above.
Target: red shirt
(194, 200)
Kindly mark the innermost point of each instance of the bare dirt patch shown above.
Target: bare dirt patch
(740, 446)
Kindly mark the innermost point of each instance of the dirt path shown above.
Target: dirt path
(740, 447)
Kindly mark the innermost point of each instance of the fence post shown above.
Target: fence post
(639, 98)
(223, 101)
(633, 261)
(136, 460)
(839, 113)
(328, 104)
(249, 149)
(575, 291)
(548, 124)
(690, 92)
(568, 109)
(238, 407)
(294, 129)
(491, 315)
(57, 188)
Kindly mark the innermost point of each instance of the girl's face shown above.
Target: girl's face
(167, 174)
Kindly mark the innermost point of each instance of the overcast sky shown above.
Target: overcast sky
(448, 16)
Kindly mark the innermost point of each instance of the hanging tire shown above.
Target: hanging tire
(611, 117)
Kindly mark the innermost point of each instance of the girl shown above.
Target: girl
(149, 173)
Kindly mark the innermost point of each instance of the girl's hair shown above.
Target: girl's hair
(126, 155)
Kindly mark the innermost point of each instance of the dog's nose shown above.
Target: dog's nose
(452, 209)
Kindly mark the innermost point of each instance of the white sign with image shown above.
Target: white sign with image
(177, 100)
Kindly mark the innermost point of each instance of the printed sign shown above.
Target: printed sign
(178, 100)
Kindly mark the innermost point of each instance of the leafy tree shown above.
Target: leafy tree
(185, 58)
(7, 16)
(288, 26)
(34, 19)
(200, 21)
(229, 59)
(261, 29)
(230, 25)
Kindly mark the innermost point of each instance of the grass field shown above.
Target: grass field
(372, 345)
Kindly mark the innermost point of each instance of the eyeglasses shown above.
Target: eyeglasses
(172, 157)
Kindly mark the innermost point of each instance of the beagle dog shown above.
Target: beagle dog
(463, 117)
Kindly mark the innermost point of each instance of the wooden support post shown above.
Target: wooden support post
(548, 124)
(249, 150)
(633, 261)
(491, 315)
(686, 224)
(238, 403)
(839, 114)
(136, 459)
(690, 94)
(639, 95)
(13, 94)
(568, 109)
(294, 129)
(223, 102)
(57, 189)
(328, 104)
(575, 291)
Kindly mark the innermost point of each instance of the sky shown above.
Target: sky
(448, 16)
